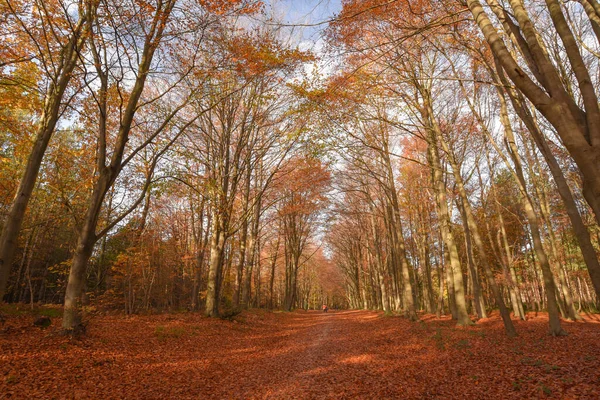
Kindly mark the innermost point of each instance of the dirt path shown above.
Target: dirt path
(349, 354)
(335, 357)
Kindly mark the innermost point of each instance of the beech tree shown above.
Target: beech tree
(53, 34)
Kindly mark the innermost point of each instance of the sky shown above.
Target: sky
(305, 12)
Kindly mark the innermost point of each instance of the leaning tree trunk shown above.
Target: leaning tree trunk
(107, 174)
(69, 56)
(578, 128)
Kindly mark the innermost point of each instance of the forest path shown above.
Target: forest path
(298, 355)
(322, 353)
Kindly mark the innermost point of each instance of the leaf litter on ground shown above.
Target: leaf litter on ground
(269, 355)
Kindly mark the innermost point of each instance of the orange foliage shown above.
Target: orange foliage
(259, 54)
(304, 182)
(222, 7)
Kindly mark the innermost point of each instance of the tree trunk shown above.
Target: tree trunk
(581, 232)
(85, 246)
(407, 285)
(455, 269)
(69, 56)
(477, 296)
(579, 130)
(273, 265)
(555, 328)
(215, 265)
(243, 242)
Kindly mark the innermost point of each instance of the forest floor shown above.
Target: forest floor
(264, 355)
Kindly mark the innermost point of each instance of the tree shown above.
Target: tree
(58, 37)
(302, 199)
(540, 81)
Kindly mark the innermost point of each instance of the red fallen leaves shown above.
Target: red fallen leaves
(349, 354)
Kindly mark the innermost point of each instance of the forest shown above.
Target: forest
(327, 194)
